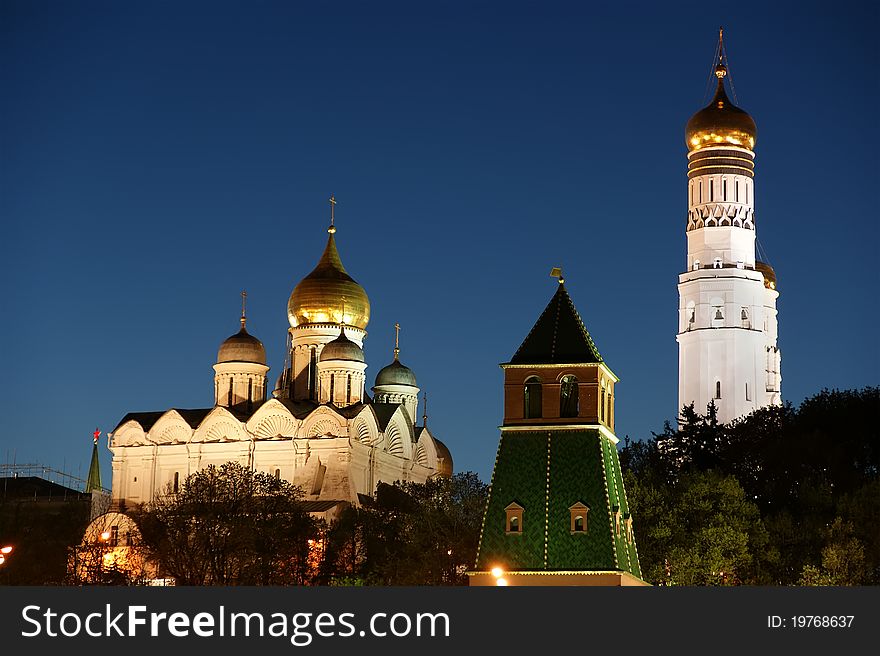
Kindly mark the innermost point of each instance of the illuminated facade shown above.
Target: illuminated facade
(557, 512)
(321, 430)
(727, 324)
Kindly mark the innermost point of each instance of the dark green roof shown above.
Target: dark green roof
(93, 481)
(547, 472)
(559, 336)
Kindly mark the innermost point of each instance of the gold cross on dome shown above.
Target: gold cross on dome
(332, 208)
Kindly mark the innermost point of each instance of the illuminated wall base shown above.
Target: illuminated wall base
(598, 578)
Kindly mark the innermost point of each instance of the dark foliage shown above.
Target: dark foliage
(811, 474)
(412, 534)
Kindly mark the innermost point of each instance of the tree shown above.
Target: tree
(802, 469)
(229, 525)
(412, 534)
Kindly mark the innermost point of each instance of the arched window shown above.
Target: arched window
(532, 398)
(717, 389)
(568, 397)
(313, 373)
(332, 381)
(602, 404)
(229, 395)
(348, 390)
(513, 520)
(175, 486)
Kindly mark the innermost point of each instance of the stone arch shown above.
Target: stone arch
(131, 433)
(323, 422)
(273, 421)
(420, 456)
(394, 440)
(365, 432)
(220, 426)
(171, 428)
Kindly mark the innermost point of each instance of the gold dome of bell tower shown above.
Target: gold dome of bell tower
(317, 299)
(721, 123)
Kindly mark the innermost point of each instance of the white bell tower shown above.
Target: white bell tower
(727, 329)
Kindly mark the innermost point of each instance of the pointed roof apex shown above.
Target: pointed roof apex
(93, 480)
(558, 337)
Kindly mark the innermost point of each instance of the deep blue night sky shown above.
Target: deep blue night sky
(158, 157)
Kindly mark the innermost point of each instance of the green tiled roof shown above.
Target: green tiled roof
(559, 336)
(546, 472)
(93, 481)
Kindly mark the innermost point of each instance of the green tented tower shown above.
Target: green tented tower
(557, 512)
(93, 480)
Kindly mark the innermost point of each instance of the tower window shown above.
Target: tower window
(696, 265)
(568, 397)
(717, 389)
(716, 263)
(748, 396)
(602, 406)
(229, 395)
(736, 191)
(724, 189)
(711, 190)
(578, 512)
(313, 368)
(348, 390)
(277, 474)
(532, 398)
(332, 381)
(514, 519)
(175, 485)
(744, 315)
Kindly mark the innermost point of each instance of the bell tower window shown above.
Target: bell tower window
(532, 398)
(568, 397)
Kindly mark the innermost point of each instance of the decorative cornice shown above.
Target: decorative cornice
(540, 428)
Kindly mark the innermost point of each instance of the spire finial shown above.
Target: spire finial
(332, 227)
(342, 318)
(96, 435)
(396, 340)
(556, 272)
(720, 68)
(425, 415)
(243, 308)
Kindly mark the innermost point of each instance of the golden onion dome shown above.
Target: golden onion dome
(721, 123)
(321, 296)
(769, 274)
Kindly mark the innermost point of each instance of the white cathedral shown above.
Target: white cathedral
(321, 430)
(727, 326)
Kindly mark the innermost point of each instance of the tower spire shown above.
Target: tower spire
(93, 480)
(396, 341)
(243, 308)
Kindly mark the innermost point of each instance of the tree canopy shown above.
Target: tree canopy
(783, 496)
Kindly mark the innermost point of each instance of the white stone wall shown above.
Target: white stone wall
(329, 456)
(727, 324)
